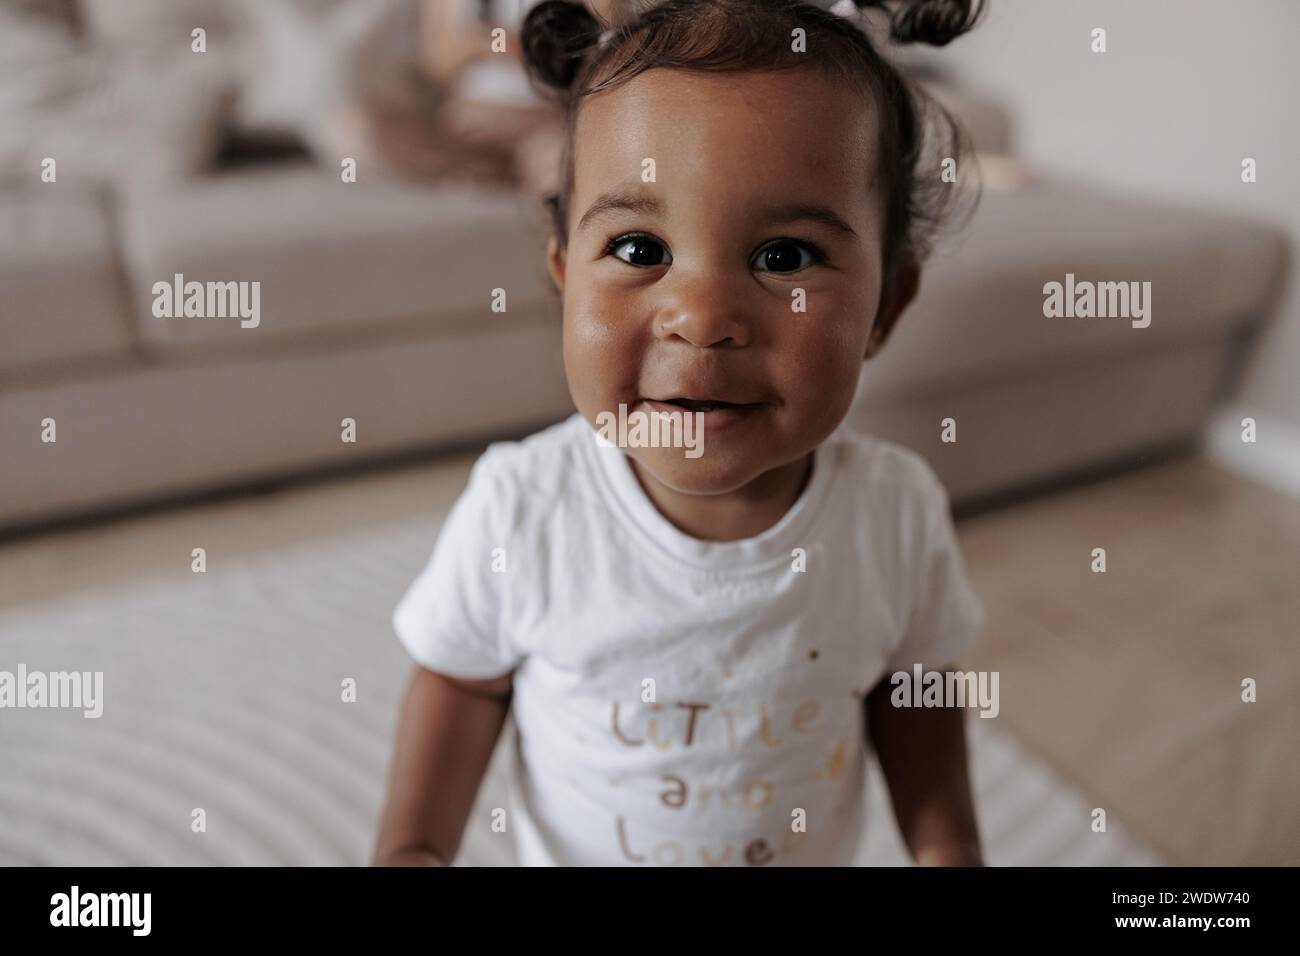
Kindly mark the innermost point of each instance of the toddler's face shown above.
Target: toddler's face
(684, 287)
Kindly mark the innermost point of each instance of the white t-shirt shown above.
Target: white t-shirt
(555, 564)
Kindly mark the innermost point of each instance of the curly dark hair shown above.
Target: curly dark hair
(566, 60)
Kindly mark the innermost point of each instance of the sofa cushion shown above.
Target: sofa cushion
(107, 115)
(332, 257)
(60, 293)
(132, 22)
(980, 310)
(306, 67)
(110, 118)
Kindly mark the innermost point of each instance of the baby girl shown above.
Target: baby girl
(698, 648)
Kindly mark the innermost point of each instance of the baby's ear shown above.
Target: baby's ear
(555, 262)
(894, 300)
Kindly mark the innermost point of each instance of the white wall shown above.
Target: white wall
(1186, 90)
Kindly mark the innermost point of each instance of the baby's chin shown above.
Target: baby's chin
(718, 471)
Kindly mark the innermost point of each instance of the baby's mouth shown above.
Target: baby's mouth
(701, 405)
(715, 414)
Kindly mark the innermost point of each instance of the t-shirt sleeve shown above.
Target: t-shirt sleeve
(450, 618)
(946, 614)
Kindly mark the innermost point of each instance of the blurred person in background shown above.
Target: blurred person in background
(487, 125)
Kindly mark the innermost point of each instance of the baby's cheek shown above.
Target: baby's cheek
(588, 326)
(827, 352)
(600, 352)
(820, 374)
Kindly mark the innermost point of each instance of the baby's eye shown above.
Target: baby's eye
(644, 250)
(783, 256)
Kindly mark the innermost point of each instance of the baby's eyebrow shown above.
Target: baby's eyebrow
(649, 205)
(814, 213)
(608, 202)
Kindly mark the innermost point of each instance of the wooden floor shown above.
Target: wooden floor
(1128, 683)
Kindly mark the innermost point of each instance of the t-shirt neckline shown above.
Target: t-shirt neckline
(776, 543)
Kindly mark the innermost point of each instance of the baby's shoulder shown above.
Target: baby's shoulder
(523, 474)
(891, 481)
(881, 469)
(896, 498)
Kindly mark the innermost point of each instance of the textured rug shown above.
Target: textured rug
(223, 692)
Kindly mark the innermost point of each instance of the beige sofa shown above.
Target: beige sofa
(1034, 398)
(376, 306)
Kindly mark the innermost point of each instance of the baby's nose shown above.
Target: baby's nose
(705, 314)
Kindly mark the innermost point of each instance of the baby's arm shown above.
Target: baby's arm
(446, 733)
(922, 752)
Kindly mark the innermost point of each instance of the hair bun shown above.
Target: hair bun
(555, 35)
(935, 22)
